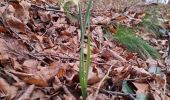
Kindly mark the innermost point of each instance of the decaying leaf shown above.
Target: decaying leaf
(10, 91)
(40, 46)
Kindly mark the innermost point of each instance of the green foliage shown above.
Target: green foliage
(126, 88)
(129, 88)
(151, 21)
(73, 18)
(83, 71)
(133, 43)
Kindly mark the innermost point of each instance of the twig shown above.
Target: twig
(164, 92)
(100, 83)
(12, 75)
(68, 92)
(143, 78)
(49, 9)
(17, 53)
(119, 93)
(20, 73)
(26, 95)
(64, 88)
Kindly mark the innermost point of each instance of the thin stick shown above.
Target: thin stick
(20, 73)
(142, 78)
(27, 93)
(65, 89)
(164, 92)
(49, 9)
(100, 83)
(119, 93)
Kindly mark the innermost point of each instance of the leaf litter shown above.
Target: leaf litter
(39, 55)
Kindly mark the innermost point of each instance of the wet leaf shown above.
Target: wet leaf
(9, 90)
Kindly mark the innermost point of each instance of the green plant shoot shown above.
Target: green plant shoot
(83, 71)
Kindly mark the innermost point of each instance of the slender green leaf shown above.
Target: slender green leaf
(87, 16)
(83, 75)
(87, 22)
(88, 57)
(81, 70)
(126, 88)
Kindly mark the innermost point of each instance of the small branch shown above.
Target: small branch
(100, 83)
(26, 95)
(164, 92)
(49, 9)
(143, 78)
(12, 75)
(20, 73)
(68, 93)
(119, 93)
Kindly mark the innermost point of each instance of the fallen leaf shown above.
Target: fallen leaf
(27, 94)
(141, 87)
(141, 70)
(34, 80)
(95, 75)
(9, 90)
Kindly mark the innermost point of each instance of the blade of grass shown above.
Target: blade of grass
(83, 77)
(87, 22)
(88, 57)
(81, 69)
(87, 16)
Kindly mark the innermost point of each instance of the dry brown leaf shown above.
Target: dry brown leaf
(120, 18)
(159, 81)
(141, 70)
(141, 63)
(37, 94)
(16, 64)
(141, 87)
(30, 66)
(2, 46)
(45, 16)
(61, 73)
(15, 24)
(47, 43)
(100, 96)
(167, 61)
(14, 17)
(95, 75)
(107, 55)
(21, 10)
(31, 63)
(151, 62)
(101, 20)
(34, 80)
(38, 76)
(9, 90)
(27, 94)
(71, 29)
(2, 29)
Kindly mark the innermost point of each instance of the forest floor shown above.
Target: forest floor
(40, 51)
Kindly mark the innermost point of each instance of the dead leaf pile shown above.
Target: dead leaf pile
(39, 56)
